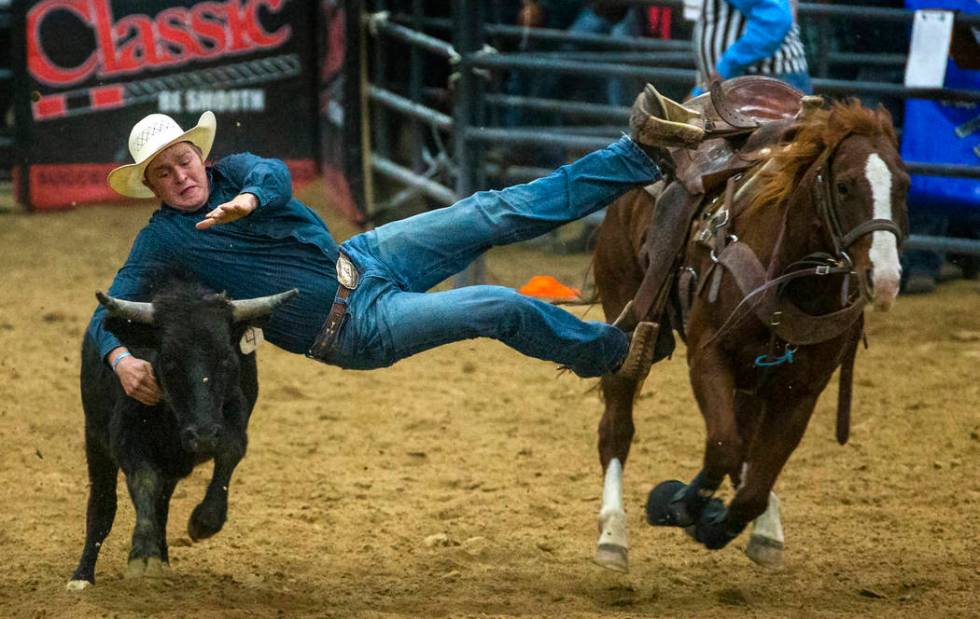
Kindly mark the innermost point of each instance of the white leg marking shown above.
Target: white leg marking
(886, 272)
(611, 548)
(612, 489)
(768, 525)
(766, 542)
(77, 585)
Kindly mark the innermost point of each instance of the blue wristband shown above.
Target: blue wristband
(119, 358)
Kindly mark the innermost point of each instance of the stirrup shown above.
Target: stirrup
(639, 357)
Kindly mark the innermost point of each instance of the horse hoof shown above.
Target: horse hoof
(659, 511)
(145, 567)
(612, 557)
(765, 552)
(77, 585)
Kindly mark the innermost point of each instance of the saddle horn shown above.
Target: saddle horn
(808, 105)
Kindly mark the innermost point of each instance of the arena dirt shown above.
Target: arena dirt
(465, 482)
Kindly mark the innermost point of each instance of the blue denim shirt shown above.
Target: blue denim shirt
(281, 245)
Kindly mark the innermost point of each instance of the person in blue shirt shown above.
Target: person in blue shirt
(236, 226)
(741, 37)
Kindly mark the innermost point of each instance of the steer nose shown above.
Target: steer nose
(201, 439)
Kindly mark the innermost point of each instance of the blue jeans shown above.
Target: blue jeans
(390, 315)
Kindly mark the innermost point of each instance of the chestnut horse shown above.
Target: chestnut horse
(771, 291)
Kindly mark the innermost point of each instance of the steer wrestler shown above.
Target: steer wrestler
(363, 303)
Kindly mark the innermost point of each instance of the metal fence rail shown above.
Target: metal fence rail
(617, 57)
(8, 142)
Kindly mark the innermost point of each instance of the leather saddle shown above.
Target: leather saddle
(741, 117)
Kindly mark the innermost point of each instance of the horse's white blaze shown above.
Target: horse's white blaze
(886, 270)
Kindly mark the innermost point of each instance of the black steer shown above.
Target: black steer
(191, 337)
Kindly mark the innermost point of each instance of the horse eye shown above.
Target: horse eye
(842, 189)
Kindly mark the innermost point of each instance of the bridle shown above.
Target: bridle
(762, 288)
(829, 212)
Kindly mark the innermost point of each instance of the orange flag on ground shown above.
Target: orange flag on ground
(547, 287)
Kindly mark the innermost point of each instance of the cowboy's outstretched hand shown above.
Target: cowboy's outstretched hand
(236, 208)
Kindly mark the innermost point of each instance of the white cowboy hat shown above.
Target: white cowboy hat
(149, 138)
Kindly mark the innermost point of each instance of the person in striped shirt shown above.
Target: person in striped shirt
(744, 37)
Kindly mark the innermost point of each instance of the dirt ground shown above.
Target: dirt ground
(350, 474)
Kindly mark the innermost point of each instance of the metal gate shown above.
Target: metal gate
(430, 139)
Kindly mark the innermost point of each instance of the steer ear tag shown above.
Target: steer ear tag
(250, 340)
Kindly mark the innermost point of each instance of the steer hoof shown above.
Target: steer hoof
(145, 567)
(78, 585)
(204, 522)
(765, 552)
(612, 557)
(662, 511)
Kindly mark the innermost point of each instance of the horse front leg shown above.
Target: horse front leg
(674, 503)
(780, 432)
(782, 429)
(767, 540)
(615, 437)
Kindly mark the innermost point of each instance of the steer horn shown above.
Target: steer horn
(130, 310)
(246, 309)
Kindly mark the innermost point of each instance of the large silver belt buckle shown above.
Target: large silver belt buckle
(346, 273)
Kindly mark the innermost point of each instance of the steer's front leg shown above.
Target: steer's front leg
(210, 514)
(146, 486)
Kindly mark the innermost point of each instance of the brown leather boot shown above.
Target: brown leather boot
(639, 357)
(658, 123)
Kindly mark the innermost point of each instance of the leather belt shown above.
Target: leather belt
(347, 280)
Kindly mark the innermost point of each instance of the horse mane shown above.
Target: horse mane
(822, 128)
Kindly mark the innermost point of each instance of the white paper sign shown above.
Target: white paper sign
(692, 9)
(932, 32)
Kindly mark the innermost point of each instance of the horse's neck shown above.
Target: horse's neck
(803, 237)
(781, 235)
